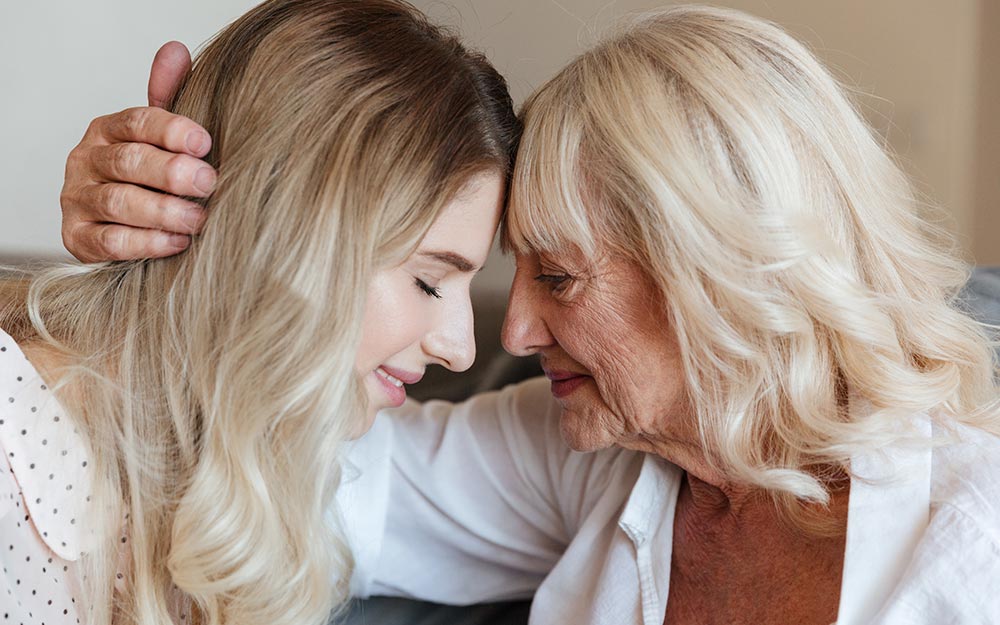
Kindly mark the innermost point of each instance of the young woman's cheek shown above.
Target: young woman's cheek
(397, 312)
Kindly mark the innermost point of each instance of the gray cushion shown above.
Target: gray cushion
(982, 295)
(981, 298)
(393, 611)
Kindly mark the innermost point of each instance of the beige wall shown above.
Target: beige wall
(936, 104)
(63, 63)
(986, 241)
(913, 64)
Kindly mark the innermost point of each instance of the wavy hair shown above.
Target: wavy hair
(715, 151)
(216, 387)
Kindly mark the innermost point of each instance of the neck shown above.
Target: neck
(711, 491)
(713, 496)
(720, 499)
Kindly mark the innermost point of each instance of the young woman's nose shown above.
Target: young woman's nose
(452, 341)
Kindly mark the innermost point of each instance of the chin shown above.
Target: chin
(361, 426)
(367, 414)
(582, 432)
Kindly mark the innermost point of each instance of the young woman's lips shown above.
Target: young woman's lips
(396, 394)
(565, 382)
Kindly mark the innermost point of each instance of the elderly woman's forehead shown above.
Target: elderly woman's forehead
(568, 255)
(548, 220)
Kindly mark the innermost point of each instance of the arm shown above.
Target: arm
(471, 502)
(112, 205)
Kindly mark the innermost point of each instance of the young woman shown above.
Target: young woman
(171, 428)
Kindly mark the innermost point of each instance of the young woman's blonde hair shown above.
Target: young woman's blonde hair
(214, 388)
(715, 151)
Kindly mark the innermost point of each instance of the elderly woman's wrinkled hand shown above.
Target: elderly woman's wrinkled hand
(112, 209)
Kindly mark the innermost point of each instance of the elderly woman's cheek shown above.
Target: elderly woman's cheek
(642, 366)
(607, 346)
(628, 380)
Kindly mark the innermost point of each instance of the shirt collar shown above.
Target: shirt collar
(888, 512)
(47, 455)
(648, 521)
(652, 499)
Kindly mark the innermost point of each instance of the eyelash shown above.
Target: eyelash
(556, 280)
(428, 289)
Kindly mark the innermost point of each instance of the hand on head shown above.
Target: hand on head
(111, 201)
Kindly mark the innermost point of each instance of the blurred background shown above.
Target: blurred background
(926, 74)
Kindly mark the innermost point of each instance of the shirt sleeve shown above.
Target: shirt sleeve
(481, 498)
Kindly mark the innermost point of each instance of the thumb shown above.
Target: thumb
(170, 66)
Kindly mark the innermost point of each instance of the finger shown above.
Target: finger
(170, 66)
(146, 165)
(100, 242)
(147, 124)
(129, 205)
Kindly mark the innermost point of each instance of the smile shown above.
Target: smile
(392, 386)
(385, 374)
(392, 381)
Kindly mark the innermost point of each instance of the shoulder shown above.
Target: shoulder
(10, 353)
(28, 523)
(10, 379)
(952, 576)
(953, 573)
(47, 456)
(954, 568)
(965, 478)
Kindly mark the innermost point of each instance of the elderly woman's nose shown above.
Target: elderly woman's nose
(524, 331)
(452, 341)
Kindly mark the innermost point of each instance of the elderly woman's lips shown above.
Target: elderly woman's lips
(565, 382)
(562, 388)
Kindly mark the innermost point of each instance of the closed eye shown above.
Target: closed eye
(555, 280)
(552, 277)
(428, 289)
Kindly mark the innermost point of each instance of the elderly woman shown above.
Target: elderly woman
(746, 323)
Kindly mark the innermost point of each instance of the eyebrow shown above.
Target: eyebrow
(457, 261)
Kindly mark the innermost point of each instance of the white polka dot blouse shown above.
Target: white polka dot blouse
(44, 493)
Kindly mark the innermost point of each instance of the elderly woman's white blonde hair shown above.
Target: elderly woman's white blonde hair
(714, 150)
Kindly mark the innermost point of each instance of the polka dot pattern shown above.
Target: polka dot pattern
(44, 494)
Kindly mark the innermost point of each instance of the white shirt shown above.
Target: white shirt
(483, 501)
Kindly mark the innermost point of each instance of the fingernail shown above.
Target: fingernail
(197, 141)
(193, 218)
(179, 241)
(204, 180)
